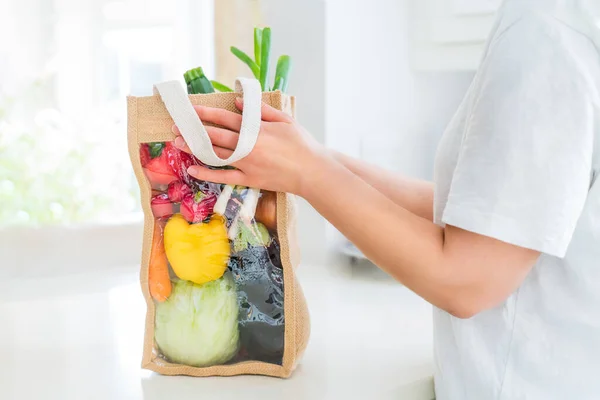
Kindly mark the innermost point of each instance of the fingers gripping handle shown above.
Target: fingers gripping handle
(193, 131)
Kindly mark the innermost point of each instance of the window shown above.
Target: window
(63, 82)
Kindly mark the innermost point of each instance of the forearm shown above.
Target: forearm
(407, 246)
(414, 195)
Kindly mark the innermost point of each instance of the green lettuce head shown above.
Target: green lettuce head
(198, 324)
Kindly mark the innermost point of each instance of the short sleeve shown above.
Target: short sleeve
(524, 165)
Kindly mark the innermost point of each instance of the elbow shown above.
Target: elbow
(464, 307)
(465, 297)
(462, 312)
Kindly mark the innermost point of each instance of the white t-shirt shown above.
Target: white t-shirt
(519, 162)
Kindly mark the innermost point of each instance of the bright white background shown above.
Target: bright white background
(377, 79)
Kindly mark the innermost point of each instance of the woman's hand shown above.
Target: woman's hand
(283, 156)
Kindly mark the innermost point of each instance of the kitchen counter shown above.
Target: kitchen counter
(79, 337)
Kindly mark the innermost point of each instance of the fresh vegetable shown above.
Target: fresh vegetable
(266, 211)
(177, 190)
(199, 196)
(161, 206)
(197, 82)
(179, 161)
(257, 45)
(245, 214)
(220, 87)
(228, 209)
(223, 199)
(197, 252)
(245, 58)
(198, 324)
(250, 235)
(259, 66)
(277, 84)
(157, 169)
(156, 149)
(265, 53)
(158, 270)
(195, 208)
(163, 163)
(248, 208)
(281, 73)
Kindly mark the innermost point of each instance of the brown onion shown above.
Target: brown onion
(266, 209)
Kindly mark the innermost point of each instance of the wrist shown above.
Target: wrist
(318, 164)
(337, 156)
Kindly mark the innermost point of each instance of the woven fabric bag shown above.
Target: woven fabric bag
(270, 329)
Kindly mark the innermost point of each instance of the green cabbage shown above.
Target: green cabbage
(198, 324)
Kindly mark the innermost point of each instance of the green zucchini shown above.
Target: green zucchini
(197, 82)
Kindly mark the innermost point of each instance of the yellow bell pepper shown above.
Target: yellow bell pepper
(198, 252)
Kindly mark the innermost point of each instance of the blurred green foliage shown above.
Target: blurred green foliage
(56, 171)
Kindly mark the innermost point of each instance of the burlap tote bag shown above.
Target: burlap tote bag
(218, 261)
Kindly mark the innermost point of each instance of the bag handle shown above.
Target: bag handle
(193, 131)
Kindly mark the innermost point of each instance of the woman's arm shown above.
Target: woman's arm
(413, 194)
(456, 270)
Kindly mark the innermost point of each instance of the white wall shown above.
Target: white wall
(369, 89)
(377, 107)
(298, 29)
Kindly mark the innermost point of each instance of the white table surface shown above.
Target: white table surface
(80, 337)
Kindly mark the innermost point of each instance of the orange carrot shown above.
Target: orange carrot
(158, 270)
